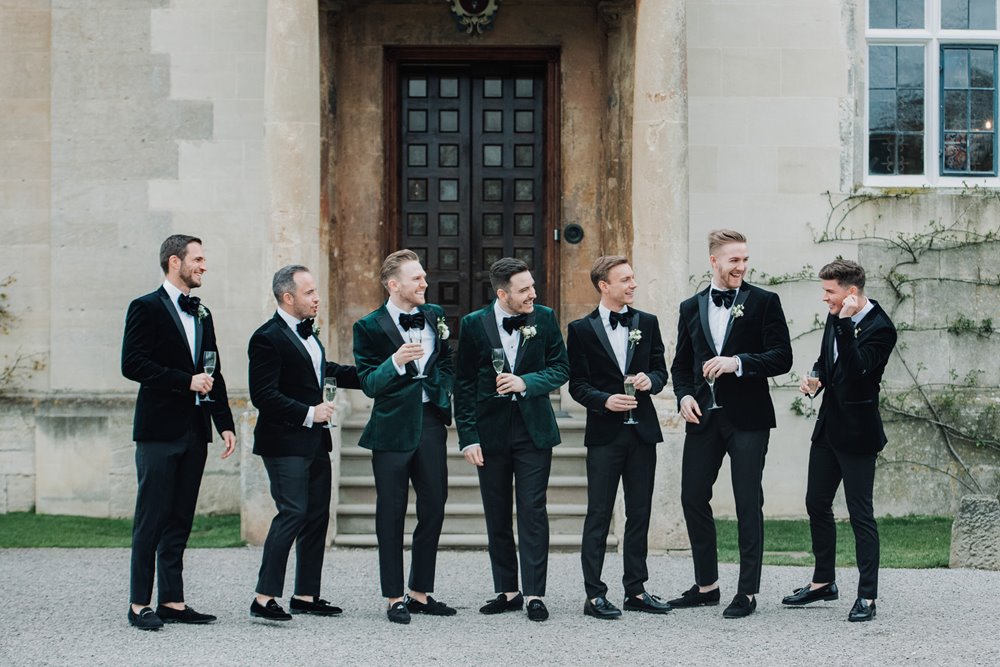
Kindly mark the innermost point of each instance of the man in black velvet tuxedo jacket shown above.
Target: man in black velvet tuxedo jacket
(507, 428)
(857, 342)
(166, 334)
(614, 345)
(411, 382)
(287, 370)
(735, 334)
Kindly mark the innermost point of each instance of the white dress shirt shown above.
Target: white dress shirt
(718, 321)
(509, 341)
(617, 336)
(315, 353)
(426, 340)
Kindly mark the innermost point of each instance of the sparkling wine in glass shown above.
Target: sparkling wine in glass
(210, 358)
(812, 380)
(710, 381)
(630, 391)
(499, 360)
(329, 393)
(416, 336)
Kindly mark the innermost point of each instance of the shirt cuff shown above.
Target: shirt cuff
(739, 367)
(400, 370)
(309, 416)
(462, 449)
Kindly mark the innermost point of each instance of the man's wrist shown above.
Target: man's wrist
(310, 416)
(462, 449)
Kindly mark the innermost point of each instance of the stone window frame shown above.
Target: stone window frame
(931, 37)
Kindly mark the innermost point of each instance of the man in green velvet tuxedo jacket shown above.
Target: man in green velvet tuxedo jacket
(404, 362)
(507, 428)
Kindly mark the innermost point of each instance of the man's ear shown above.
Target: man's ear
(287, 298)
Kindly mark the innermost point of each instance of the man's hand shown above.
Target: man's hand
(322, 413)
(716, 366)
(508, 382)
(621, 403)
(229, 440)
(408, 352)
(690, 410)
(850, 306)
(474, 455)
(201, 383)
(804, 385)
(642, 382)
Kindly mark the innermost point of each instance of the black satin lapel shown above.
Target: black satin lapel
(431, 319)
(598, 324)
(300, 346)
(490, 326)
(629, 345)
(703, 314)
(322, 362)
(530, 322)
(829, 336)
(389, 327)
(199, 331)
(741, 298)
(165, 298)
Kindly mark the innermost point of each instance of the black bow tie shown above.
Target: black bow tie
(624, 319)
(723, 298)
(305, 328)
(511, 323)
(414, 321)
(189, 304)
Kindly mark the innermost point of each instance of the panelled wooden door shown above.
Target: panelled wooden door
(472, 176)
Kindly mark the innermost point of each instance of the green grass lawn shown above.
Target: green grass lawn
(27, 529)
(909, 542)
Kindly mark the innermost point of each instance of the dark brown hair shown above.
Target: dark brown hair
(845, 272)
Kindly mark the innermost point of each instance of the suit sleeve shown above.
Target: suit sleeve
(346, 375)
(684, 380)
(657, 372)
(138, 361)
(556, 371)
(776, 357)
(378, 376)
(265, 374)
(858, 361)
(222, 415)
(466, 374)
(580, 388)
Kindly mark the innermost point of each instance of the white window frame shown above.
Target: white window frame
(931, 37)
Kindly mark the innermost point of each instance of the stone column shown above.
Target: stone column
(660, 222)
(292, 154)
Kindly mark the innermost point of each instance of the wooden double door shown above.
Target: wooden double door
(473, 176)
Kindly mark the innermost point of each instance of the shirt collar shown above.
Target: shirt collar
(289, 319)
(860, 315)
(395, 311)
(606, 312)
(499, 313)
(172, 291)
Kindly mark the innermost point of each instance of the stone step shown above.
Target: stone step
(566, 461)
(360, 489)
(471, 541)
(460, 519)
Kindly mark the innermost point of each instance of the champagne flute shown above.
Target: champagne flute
(630, 391)
(416, 336)
(329, 393)
(710, 381)
(210, 358)
(812, 380)
(499, 359)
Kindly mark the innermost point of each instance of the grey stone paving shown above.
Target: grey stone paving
(67, 607)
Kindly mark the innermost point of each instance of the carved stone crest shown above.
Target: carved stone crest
(474, 16)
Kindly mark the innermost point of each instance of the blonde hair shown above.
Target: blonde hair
(720, 237)
(603, 265)
(390, 267)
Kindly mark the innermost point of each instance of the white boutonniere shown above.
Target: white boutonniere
(442, 329)
(202, 312)
(737, 311)
(634, 336)
(316, 329)
(528, 331)
(857, 331)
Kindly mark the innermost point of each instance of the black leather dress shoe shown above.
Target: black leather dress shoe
(502, 604)
(432, 607)
(861, 611)
(272, 611)
(805, 595)
(601, 608)
(537, 611)
(186, 615)
(398, 613)
(146, 619)
(740, 607)
(317, 606)
(647, 603)
(692, 598)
